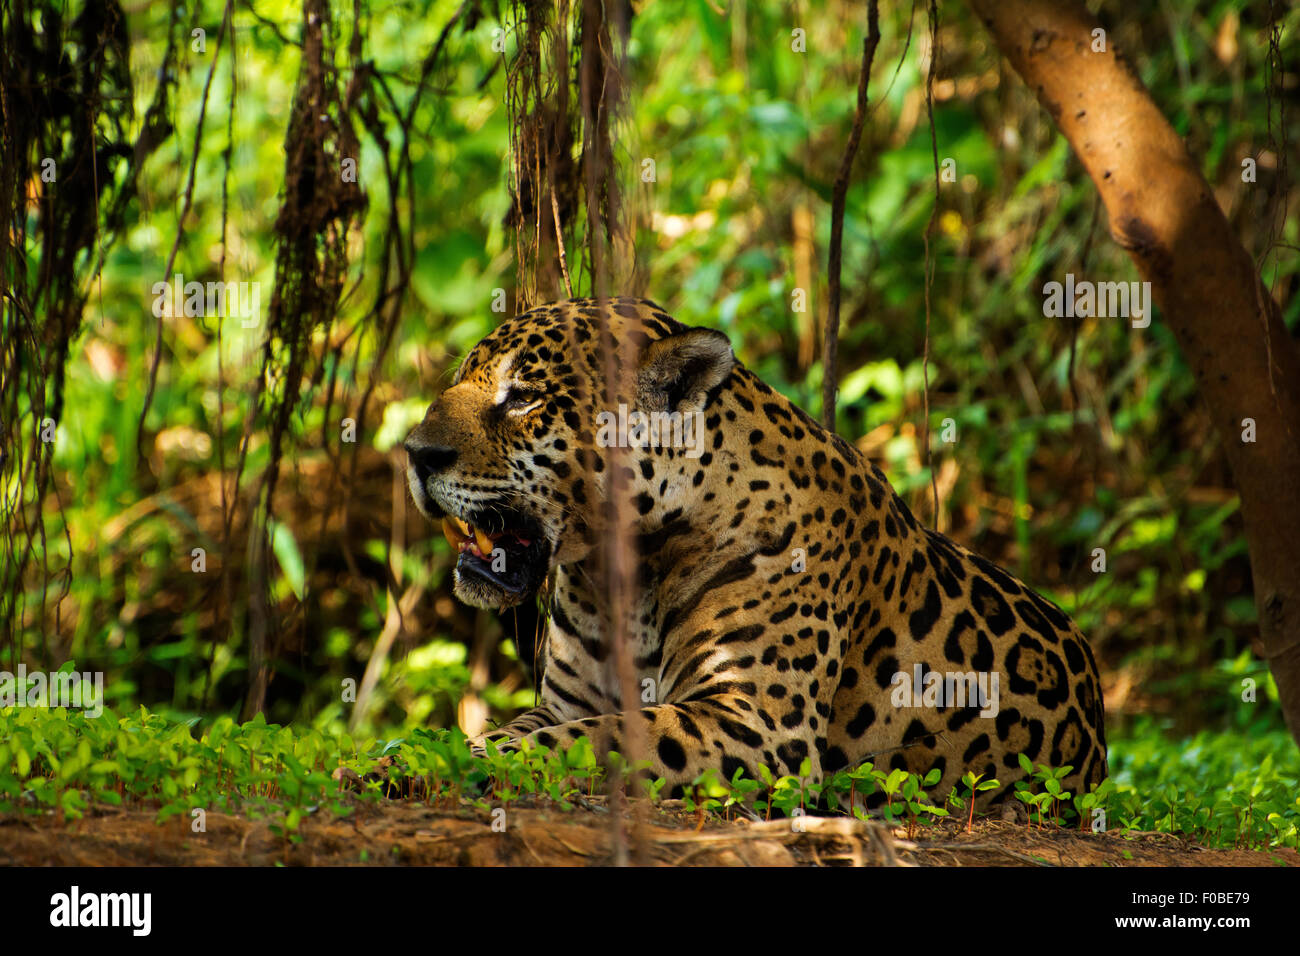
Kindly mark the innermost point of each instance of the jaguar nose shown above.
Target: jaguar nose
(429, 459)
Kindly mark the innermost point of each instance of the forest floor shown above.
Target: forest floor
(411, 833)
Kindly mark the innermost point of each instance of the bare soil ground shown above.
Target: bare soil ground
(410, 833)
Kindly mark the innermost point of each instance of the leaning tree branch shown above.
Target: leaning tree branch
(839, 197)
(1164, 214)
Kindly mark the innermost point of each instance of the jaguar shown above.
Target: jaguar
(786, 609)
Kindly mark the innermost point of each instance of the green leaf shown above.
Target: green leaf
(285, 547)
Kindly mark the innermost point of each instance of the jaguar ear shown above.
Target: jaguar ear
(678, 372)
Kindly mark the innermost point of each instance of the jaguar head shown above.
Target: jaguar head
(510, 458)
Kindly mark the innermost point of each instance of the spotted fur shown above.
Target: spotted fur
(753, 657)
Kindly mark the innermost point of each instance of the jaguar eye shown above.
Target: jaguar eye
(518, 398)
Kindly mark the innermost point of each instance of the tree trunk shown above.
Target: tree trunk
(1165, 215)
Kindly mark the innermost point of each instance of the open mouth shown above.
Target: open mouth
(503, 549)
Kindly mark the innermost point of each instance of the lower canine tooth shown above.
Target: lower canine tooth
(483, 541)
